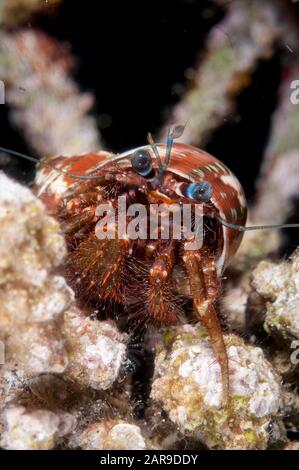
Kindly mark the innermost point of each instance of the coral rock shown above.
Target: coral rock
(278, 283)
(292, 446)
(96, 350)
(234, 305)
(112, 435)
(189, 387)
(37, 349)
(34, 430)
(30, 244)
(32, 297)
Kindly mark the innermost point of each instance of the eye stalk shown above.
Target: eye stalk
(142, 162)
(201, 192)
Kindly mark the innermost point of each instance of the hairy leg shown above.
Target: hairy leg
(163, 306)
(95, 268)
(204, 287)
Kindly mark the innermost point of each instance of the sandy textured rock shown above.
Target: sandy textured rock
(37, 349)
(96, 350)
(34, 430)
(278, 283)
(32, 296)
(31, 243)
(188, 385)
(17, 306)
(233, 304)
(291, 408)
(112, 435)
(292, 445)
(43, 333)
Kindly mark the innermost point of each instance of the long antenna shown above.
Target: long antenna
(172, 134)
(241, 228)
(156, 153)
(47, 164)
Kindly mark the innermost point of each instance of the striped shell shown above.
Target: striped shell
(188, 164)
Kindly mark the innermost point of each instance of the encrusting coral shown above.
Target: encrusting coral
(113, 435)
(188, 385)
(31, 247)
(44, 334)
(34, 430)
(278, 283)
(33, 297)
(97, 350)
(292, 446)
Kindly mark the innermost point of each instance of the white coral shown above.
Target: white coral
(188, 385)
(31, 247)
(97, 350)
(279, 285)
(36, 349)
(33, 297)
(110, 435)
(34, 430)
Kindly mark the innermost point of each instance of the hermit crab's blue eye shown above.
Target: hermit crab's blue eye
(142, 162)
(201, 192)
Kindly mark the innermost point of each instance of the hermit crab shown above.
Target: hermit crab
(144, 275)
